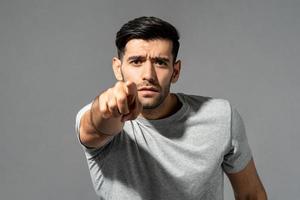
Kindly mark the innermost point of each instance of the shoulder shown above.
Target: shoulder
(212, 105)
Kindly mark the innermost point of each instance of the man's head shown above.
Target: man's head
(147, 51)
(147, 28)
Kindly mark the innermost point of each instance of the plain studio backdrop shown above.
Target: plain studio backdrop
(55, 57)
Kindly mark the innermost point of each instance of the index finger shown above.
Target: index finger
(131, 91)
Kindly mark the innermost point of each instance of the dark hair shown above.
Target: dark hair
(147, 28)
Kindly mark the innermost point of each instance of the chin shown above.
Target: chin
(149, 107)
(151, 103)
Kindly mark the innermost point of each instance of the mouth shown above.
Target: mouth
(150, 89)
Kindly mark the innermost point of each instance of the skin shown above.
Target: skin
(149, 64)
(246, 184)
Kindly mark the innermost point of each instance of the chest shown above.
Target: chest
(182, 154)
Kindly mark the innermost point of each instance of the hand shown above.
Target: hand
(120, 101)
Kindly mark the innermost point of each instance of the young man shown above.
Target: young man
(143, 142)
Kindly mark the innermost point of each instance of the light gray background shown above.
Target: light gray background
(55, 56)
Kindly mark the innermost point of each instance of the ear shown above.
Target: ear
(176, 72)
(116, 64)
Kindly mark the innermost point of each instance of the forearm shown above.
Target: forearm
(246, 184)
(259, 195)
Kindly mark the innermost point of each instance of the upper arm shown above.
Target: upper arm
(246, 183)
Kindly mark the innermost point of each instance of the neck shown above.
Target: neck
(169, 106)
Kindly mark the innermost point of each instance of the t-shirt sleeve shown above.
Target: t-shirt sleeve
(90, 152)
(239, 153)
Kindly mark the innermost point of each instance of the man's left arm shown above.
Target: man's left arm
(246, 184)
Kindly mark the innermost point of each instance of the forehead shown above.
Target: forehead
(156, 47)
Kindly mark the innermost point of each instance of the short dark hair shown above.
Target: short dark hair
(147, 28)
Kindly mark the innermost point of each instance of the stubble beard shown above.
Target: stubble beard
(155, 103)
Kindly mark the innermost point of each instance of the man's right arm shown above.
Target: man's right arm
(107, 114)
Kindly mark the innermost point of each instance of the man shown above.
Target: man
(143, 142)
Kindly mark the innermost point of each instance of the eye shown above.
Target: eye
(161, 63)
(136, 62)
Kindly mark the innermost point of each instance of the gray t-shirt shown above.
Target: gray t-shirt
(179, 157)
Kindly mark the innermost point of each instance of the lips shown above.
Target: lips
(153, 89)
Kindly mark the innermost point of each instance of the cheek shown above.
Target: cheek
(164, 77)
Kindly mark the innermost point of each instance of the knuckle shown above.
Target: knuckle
(116, 91)
(121, 99)
(102, 103)
(102, 109)
(109, 90)
(118, 84)
(112, 104)
(102, 97)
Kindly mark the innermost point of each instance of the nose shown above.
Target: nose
(149, 73)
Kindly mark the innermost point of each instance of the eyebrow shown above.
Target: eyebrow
(161, 59)
(136, 58)
(153, 58)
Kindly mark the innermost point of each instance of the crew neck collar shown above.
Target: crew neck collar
(167, 120)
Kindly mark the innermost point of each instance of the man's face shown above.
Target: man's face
(149, 64)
